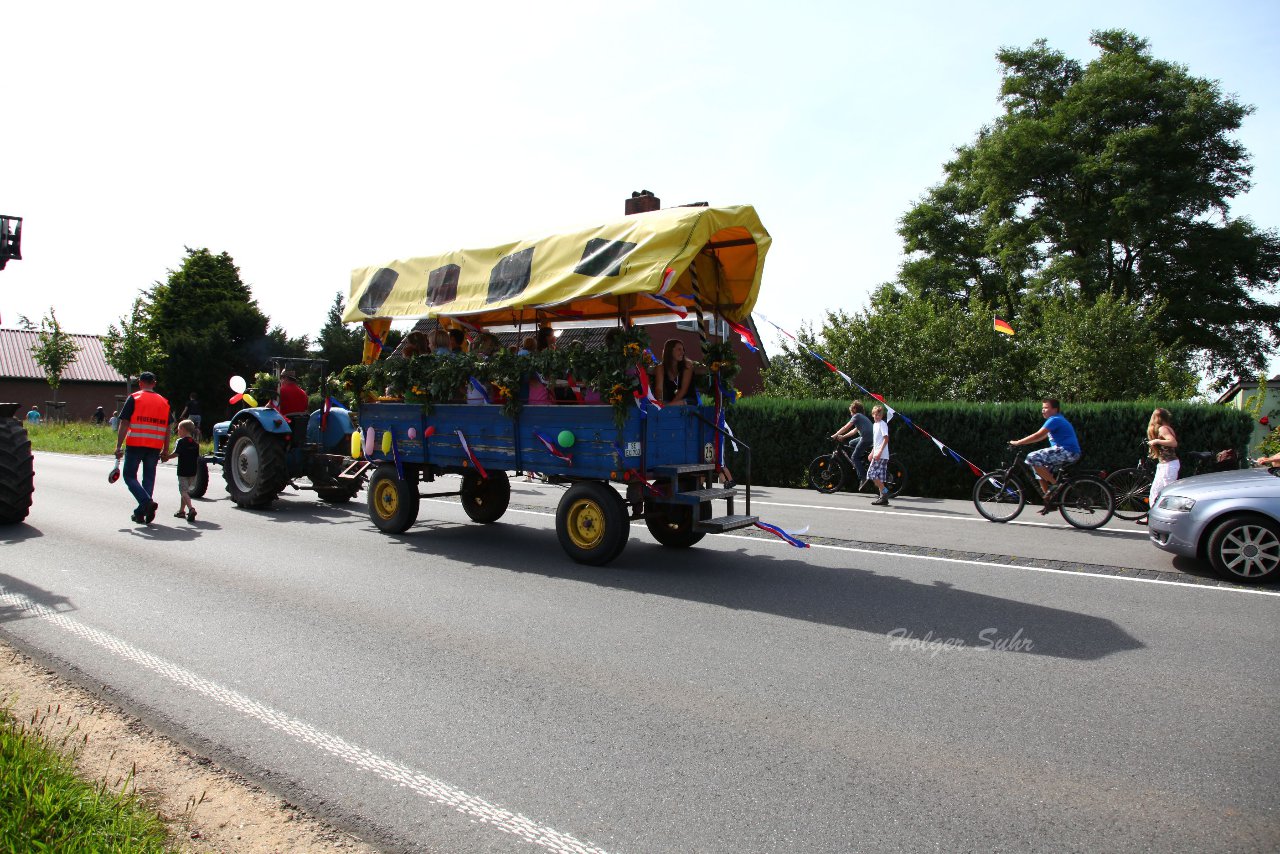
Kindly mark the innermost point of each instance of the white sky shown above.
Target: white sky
(307, 139)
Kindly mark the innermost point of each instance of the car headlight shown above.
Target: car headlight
(1177, 503)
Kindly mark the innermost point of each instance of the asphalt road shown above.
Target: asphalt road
(920, 679)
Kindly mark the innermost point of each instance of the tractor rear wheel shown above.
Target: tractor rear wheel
(17, 471)
(254, 469)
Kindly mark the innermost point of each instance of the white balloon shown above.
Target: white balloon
(238, 385)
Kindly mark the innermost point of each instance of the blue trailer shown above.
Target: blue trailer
(621, 462)
(663, 462)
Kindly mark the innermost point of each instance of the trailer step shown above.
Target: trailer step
(353, 471)
(724, 523)
(697, 496)
(683, 468)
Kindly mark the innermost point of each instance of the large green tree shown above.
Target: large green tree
(1112, 178)
(130, 347)
(207, 323)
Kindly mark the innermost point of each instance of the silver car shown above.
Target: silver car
(1231, 519)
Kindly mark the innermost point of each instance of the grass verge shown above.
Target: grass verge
(44, 806)
(79, 437)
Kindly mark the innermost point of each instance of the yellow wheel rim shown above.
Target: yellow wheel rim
(386, 498)
(585, 524)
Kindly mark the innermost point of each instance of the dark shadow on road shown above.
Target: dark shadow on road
(179, 531)
(18, 533)
(11, 612)
(853, 597)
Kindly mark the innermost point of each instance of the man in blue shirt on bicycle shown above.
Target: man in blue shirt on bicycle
(858, 423)
(1063, 448)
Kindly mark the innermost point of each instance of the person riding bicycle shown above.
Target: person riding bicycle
(861, 426)
(1064, 449)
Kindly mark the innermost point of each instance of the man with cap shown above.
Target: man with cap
(293, 397)
(143, 435)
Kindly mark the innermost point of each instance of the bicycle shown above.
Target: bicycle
(1084, 500)
(1132, 486)
(829, 472)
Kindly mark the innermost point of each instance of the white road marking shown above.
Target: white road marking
(472, 806)
(925, 514)
(881, 553)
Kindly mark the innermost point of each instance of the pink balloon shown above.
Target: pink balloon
(413, 432)
(369, 447)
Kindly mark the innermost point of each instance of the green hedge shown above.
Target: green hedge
(786, 434)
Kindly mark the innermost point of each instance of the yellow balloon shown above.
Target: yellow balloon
(249, 401)
(355, 446)
(386, 443)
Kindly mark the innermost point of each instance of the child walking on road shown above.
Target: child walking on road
(878, 471)
(188, 453)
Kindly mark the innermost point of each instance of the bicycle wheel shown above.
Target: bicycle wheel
(826, 474)
(897, 477)
(1132, 488)
(998, 497)
(1086, 502)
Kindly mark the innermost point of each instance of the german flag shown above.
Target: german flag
(1001, 326)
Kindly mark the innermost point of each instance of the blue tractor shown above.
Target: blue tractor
(262, 452)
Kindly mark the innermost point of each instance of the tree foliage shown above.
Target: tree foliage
(1111, 179)
(208, 325)
(910, 346)
(131, 348)
(339, 344)
(54, 350)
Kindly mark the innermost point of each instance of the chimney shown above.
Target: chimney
(642, 201)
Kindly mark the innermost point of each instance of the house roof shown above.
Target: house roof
(90, 365)
(1242, 384)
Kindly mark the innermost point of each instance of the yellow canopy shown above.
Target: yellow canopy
(585, 275)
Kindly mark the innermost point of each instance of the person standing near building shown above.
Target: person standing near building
(192, 413)
(33, 415)
(142, 437)
(99, 416)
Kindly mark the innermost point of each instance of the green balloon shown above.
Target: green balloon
(565, 439)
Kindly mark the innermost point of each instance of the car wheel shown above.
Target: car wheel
(1246, 549)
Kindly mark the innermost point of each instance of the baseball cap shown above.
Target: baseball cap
(146, 377)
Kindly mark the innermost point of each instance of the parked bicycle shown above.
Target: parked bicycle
(1083, 499)
(1132, 486)
(829, 472)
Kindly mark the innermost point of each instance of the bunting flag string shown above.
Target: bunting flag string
(748, 339)
(574, 388)
(890, 412)
(552, 449)
(484, 475)
(786, 537)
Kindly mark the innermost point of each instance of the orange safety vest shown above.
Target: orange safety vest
(149, 424)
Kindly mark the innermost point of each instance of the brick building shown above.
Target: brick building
(88, 382)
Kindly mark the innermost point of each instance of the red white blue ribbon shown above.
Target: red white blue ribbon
(680, 310)
(484, 475)
(748, 340)
(552, 449)
(479, 387)
(786, 537)
(368, 330)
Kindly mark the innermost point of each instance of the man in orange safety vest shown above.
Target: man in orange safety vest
(142, 437)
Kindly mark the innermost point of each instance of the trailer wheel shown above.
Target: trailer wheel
(591, 523)
(672, 524)
(202, 479)
(485, 499)
(393, 503)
